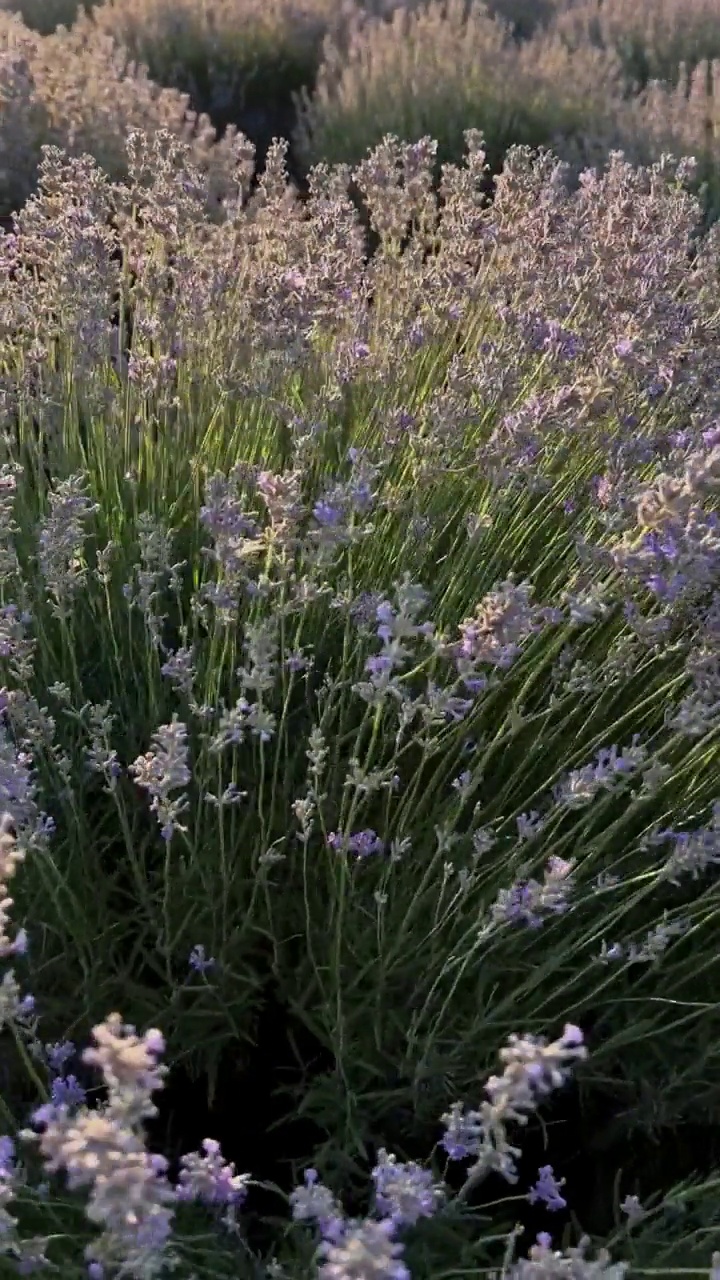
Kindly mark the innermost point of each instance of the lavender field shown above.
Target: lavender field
(360, 640)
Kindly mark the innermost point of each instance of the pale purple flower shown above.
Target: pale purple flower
(632, 1209)
(17, 783)
(363, 844)
(223, 513)
(297, 661)
(179, 668)
(238, 720)
(208, 1179)
(363, 610)
(21, 943)
(624, 348)
(463, 1132)
(199, 961)
(314, 1202)
(530, 902)
(326, 514)
(7, 1157)
(381, 664)
(404, 1192)
(361, 494)
(62, 539)
(610, 767)
(59, 1054)
(104, 1150)
(547, 1190)
(165, 769)
(532, 1069)
(66, 1091)
(529, 825)
(366, 1251)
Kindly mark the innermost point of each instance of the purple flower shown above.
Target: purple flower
(529, 901)
(475, 684)
(223, 514)
(614, 952)
(366, 1251)
(43, 1115)
(404, 1192)
(364, 607)
(326, 514)
(67, 1092)
(20, 945)
(362, 844)
(361, 495)
(682, 439)
(314, 1202)
(7, 1157)
(665, 546)
(209, 1180)
(380, 664)
(463, 1131)
(547, 1190)
(655, 389)
(199, 961)
(297, 661)
(632, 1208)
(385, 615)
(669, 589)
(58, 1055)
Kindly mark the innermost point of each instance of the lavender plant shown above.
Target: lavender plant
(101, 1150)
(238, 62)
(682, 117)
(81, 90)
(227, 57)
(653, 38)
(449, 65)
(358, 630)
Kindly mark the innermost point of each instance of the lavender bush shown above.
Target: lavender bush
(653, 38)
(238, 60)
(449, 65)
(359, 631)
(79, 89)
(683, 117)
(45, 16)
(226, 56)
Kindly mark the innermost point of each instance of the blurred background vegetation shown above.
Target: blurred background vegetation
(334, 76)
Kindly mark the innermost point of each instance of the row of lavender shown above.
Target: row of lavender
(581, 76)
